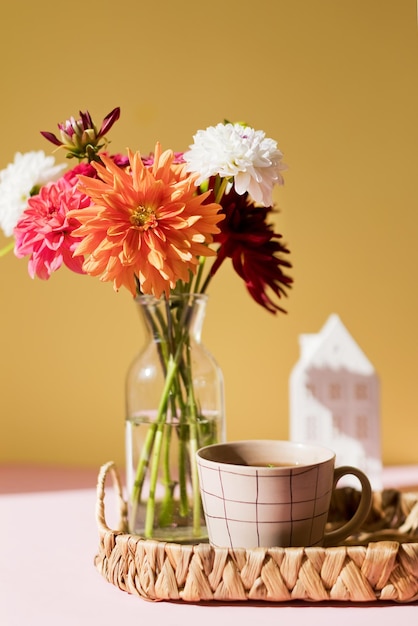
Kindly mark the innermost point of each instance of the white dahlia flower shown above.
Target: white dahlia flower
(28, 171)
(240, 153)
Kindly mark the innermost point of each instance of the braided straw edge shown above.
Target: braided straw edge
(385, 570)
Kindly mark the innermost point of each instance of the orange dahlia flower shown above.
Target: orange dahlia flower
(146, 226)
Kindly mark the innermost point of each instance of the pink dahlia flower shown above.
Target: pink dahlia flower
(44, 232)
(82, 168)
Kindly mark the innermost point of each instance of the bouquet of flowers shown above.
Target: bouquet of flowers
(160, 225)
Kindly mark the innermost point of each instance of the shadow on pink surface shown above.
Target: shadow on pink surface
(34, 478)
(27, 478)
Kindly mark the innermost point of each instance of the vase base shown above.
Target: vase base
(177, 535)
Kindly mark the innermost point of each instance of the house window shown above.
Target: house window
(362, 427)
(360, 391)
(336, 424)
(310, 390)
(335, 391)
(311, 427)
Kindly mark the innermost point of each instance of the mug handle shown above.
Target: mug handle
(333, 537)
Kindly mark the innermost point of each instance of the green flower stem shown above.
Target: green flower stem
(219, 190)
(7, 248)
(194, 445)
(166, 510)
(149, 441)
(199, 273)
(175, 358)
(155, 463)
(195, 481)
(141, 471)
(151, 446)
(183, 438)
(172, 369)
(220, 187)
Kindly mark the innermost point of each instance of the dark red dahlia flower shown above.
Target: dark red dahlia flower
(255, 249)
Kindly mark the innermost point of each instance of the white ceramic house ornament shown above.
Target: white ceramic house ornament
(334, 399)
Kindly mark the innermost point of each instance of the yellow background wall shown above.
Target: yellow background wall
(335, 82)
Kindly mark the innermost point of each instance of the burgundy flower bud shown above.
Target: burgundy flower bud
(80, 137)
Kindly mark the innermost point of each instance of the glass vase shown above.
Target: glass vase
(174, 406)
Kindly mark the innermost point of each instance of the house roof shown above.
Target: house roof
(334, 347)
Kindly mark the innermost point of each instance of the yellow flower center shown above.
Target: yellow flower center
(143, 218)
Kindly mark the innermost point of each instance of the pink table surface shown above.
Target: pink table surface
(48, 539)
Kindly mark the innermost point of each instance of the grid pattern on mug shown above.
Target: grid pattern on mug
(293, 513)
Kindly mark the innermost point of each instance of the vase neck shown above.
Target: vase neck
(165, 318)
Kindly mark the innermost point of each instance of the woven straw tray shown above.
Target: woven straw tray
(380, 563)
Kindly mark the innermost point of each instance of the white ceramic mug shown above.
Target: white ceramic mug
(273, 493)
